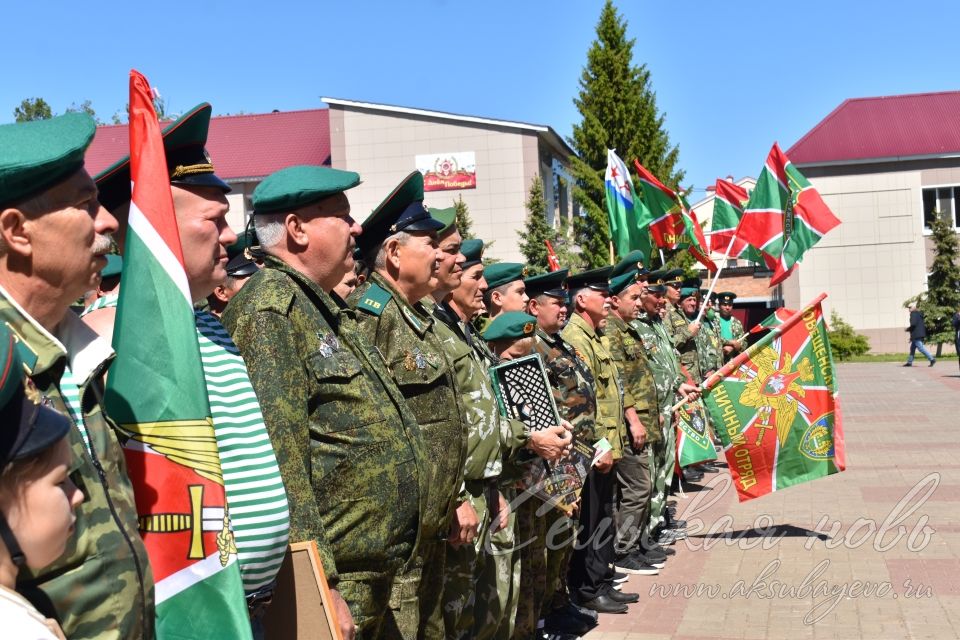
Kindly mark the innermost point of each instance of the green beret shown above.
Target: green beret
(621, 282)
(402, 210)
(114, 266)
(37, 155)
(501, 273)
(595, 279)
(725, 297)
(447, 217)
(188, 163)
(509, 326)
(295, 187)
(687, 292)
(472, 250)
(631, 261)
(547, 284)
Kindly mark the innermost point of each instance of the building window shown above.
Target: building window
(945, 200)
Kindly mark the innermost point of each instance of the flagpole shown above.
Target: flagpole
(734, 364)
(663, 262)
(611, 252)
(716, 276)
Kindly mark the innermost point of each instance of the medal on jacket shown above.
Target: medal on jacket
(414, 360)
(328, 344)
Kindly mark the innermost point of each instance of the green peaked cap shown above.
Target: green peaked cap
(299, 186)
(501, 273)
(594, 279)
(447, 217)
(510, 325)
(402, 210)
(621, 282)
(472, 250)
(550, 284)
(631, 261)
(37, 155)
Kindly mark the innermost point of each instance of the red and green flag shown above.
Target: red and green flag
(693, 437)
(627, 215)
(673, 225)
(775, 408)
(775, 319)
(157, 394)
(785, 215)
(552, 260)
(728, 204)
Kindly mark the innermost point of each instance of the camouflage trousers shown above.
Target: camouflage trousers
(461, 578)
(498, 587)
(416, 595)
(663, 455)
(561, 534)
(368, 599)
(532, 541)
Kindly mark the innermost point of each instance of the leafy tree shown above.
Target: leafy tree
(537, 231)
(844, 341)
(32, 109)
(942, 297)
(87, 107)
(619, 111)
(463, 221)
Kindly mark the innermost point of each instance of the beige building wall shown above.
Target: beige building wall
(874, 260)
(382, 146)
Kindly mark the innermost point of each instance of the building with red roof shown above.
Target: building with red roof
(884, 165)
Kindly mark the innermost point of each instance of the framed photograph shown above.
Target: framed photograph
(301, 608)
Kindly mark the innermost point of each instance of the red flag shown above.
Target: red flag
(552, 260)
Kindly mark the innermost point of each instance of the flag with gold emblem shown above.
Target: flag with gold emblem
(157, 395)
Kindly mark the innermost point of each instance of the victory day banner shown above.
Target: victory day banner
(448, 171)
(775, 408)
(157, 395)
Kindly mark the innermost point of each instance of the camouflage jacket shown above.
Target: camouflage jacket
(349, 450)
(625, 346)
(572, 385)
(412, 345)
(588, 346)
(102, 585)
(481, 416)
(737, 333)
(663, 359)
(677, 325)
(709, 346)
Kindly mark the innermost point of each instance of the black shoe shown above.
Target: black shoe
(559, 623)
(933, 362)
(605, 604)
(691, 475)
(626, 598)
(586, 615)
(707, 469)
(619, 577)
(677, 524)
(908, 364)
(632, 564)
(656, 549)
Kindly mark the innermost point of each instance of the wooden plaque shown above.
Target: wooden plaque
(301, 607)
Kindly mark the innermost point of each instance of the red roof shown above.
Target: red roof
(921, 124)
(251, 146)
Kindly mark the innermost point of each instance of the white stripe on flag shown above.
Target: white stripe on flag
(185, 578)
(161, 252)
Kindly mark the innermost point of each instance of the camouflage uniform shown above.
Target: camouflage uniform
(573, 392)
(737, 333)
(633, 472)
(709, 345)
(350, 452)
(665, 366)
(482, 469)
(102, 585)
(677, 325)
(590, 572)
(411, 343)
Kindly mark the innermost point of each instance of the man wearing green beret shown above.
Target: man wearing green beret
(54, 238)
(399, 241)
(339, 425)
(572, 386)
(670, 383)
(506, 291)
(591, 575)
(623, 341)
(732, 333)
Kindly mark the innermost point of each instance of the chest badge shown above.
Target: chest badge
(329, 344)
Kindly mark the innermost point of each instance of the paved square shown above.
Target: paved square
(873, 552)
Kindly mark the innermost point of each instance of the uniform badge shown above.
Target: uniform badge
(329, 344)
(408, 361)
(419, 358)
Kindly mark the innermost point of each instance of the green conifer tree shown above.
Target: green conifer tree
(942, 298)
(536, 231)
(619, 111)
(464, 223)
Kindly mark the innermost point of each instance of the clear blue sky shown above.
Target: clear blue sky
(730, 78)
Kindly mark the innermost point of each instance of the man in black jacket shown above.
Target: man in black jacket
(918, 331)
(956, 332)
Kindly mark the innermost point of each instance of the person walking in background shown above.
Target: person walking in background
(918, 331)
(956, 333)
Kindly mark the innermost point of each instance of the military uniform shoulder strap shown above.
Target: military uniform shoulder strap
(374, 300)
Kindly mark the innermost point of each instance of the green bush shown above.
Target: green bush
(844, 341)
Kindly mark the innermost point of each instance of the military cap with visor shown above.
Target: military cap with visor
(510, 326)
(472, 250)
(188, 163)
(29, 428)
(630, 262)
(726, 297)
(624, 280)
(402, 210)
(247, 245)
(673, 278)
(300, 186)
(656, 281)
(548, 284)
(38, 155)
(501, 273)
(596, 279)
